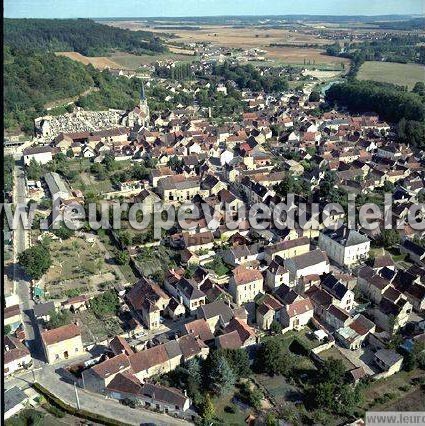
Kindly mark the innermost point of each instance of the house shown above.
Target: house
(97, 378)
(217, 314)
(241, 254)
(148, 301)
(390, 315)
(164, 399)
(371, 284)
(312, 262)
(156, 360)
(42, 311)
(76, 303)
(415, 252)
(62, 343)
(237, 334)
(175, 309)
(200, 329)
(199, 241)
(346, 247)
(12, 317)
(119, 345)
(14, 401)
(336, 317)
(40, 154)
(245, 284)
(276, 274)
(342, 296)
(188, 292)
(16, 356)
(287, 249)
(353, 335)
(388, 360)
(268, 310)
(178, 188)
(191, 347)
(297, 314)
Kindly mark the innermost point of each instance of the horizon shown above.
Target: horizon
(62, 9)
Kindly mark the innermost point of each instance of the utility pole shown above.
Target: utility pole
(76, 396)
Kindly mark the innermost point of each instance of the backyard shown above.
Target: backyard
(95, 330)
(333, 352)
(77, 268)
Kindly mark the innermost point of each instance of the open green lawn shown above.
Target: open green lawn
(391, 72)
(222, 405)
(336, 354)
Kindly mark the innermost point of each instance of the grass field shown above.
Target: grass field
(391, 72)
(396, 393)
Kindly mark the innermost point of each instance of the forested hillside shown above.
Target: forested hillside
(33, 79)
(34, 75)
(78, 35)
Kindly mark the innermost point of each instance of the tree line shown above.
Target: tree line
(78, 35)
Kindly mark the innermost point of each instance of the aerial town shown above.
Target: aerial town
(201, 322)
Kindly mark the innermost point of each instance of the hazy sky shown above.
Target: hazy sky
(141, 8)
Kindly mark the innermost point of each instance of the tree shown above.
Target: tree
(388, 186)
(221, 376)
(122, 257)
(64, 232)
(58, 319)
(419, 88)
(238, 360)
(314, 96)
(208, 410)
(272, 358)
(7, 330)
(275, 328)
(390, 238)
(105, 304)
(34, 170)
(36, 260)
(125, 238)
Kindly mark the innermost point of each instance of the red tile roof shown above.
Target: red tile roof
(60, 334)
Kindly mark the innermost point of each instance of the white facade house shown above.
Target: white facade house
(41, 154)
(346, 247)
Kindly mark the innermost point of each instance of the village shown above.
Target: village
(124, 310)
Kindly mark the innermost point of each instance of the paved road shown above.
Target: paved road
(92, 402)
(22, 282)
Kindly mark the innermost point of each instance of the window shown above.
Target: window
(76, 349)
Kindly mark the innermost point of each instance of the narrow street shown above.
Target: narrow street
(22, 282)
(94, 403)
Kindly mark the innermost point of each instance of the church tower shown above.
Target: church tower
(143, 105)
